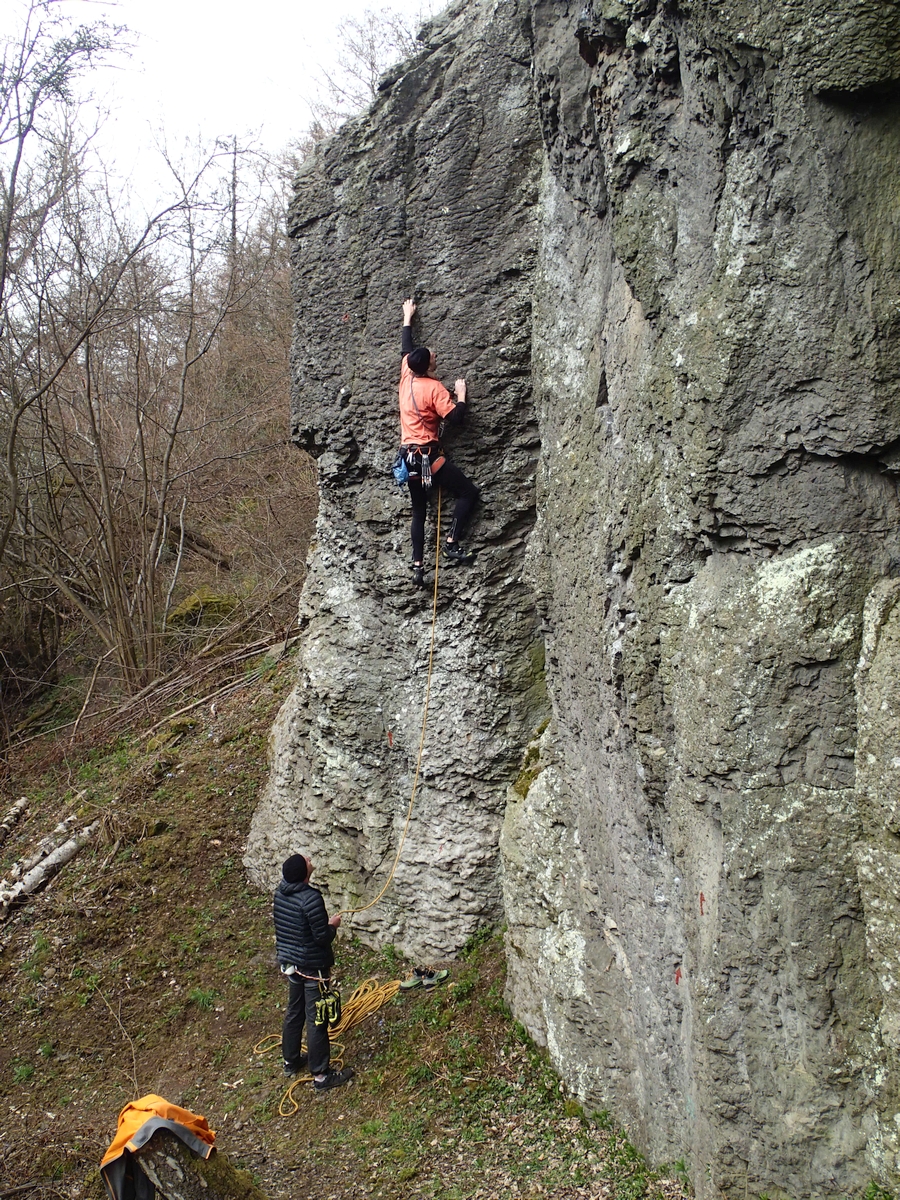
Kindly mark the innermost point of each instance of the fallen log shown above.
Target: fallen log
(12, 817)
(45, 870)
(44, 847)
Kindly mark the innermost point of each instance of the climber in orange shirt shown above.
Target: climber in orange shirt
(424, 404)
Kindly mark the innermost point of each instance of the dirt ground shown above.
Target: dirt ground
(147, 966)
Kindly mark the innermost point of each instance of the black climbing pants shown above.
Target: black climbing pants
(301, 1010)
(451, 479)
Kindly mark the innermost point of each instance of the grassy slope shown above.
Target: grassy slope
(147, 966)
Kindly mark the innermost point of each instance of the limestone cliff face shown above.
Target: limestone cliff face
(432, 194)
(663, 244)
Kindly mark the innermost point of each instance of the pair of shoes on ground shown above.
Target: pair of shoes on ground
(333, 1079)
(292, 1069)
(425, 977)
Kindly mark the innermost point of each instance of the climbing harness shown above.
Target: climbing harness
(422, 462)
(370, 995)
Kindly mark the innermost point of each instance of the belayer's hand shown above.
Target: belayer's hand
(409, 308)
(335, 921)
(460, 388)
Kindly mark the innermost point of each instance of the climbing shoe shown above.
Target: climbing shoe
(333, 1079)
(454, 553)
(290, 1069)
(424, 977)
(418, 577)
(414, 981)
(432, 978)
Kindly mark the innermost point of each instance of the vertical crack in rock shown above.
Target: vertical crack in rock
(661, 241)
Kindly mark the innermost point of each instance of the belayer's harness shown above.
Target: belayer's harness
(328, 1005)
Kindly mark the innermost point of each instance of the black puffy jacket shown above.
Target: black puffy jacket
(302, 933)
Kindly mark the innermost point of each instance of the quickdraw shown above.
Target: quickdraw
(328, 1007)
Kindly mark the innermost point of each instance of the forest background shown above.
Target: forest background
(154, 517)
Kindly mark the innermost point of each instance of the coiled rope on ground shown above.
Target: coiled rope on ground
(365, 1000)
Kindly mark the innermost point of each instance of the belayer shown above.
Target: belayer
(424, 404)
(303, 936)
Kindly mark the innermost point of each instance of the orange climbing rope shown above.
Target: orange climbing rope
(412, 799)
(370, 995)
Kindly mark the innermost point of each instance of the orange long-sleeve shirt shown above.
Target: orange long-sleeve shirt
(434, 402)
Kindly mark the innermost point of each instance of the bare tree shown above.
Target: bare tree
(118, 398)
(101, 517)
(369, 45)
(39, 158)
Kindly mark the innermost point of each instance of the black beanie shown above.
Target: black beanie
(419, 360)
(294, 869)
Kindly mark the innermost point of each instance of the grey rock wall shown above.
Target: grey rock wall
(432, 194)
(662, 242)
(719, 375)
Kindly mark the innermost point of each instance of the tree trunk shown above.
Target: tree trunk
(178, 1174)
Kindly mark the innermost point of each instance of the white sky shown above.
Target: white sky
(211, 68)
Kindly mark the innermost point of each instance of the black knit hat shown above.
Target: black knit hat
(294, 869)
(419, 360)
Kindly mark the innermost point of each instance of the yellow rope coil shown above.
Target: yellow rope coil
(365, 1000)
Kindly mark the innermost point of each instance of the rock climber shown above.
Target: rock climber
(303, 936)
(424, 403)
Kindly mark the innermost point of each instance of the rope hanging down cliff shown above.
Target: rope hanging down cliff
(370, 995)
(412, 799)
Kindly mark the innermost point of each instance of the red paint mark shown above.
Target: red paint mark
(390, 739)
(346, 316)
(678, 975)
(702, 902)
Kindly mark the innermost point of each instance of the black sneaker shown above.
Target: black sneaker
(418, 577)
(290, 1069)
(333, 1079)
(454, 552)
